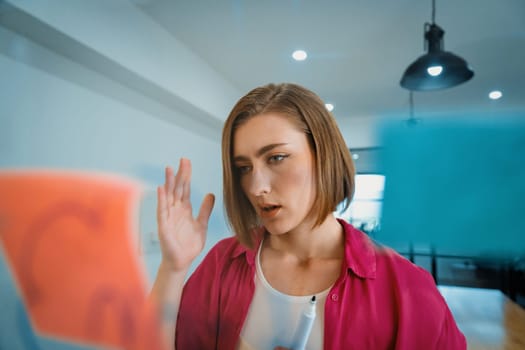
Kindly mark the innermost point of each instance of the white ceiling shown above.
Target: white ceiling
(358, 49)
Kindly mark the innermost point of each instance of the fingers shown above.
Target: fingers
(169, 185)
(177, 187)
(181, 188)
(186, 179)
(162, 208)
(205, 210)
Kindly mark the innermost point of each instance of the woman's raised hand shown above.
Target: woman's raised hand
(181, 236)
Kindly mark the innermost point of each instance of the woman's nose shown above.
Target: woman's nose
(259, 183)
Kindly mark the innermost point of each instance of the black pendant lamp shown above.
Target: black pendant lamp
(437, 69)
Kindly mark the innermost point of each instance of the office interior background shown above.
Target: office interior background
(130, 86)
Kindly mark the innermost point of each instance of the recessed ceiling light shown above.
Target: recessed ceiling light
(329, 106)
(299, 55)
(495, 95)
(355, 156)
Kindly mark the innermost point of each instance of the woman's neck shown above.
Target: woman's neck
(324, 241)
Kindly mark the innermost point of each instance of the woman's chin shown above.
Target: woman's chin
(276, 230)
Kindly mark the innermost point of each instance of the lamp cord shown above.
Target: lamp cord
(433, 11)
(427, 25)
(411, 119)
(411, 104)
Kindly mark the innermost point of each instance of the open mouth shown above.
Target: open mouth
(269, 211)
(270, 208)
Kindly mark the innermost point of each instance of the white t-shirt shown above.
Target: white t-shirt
(273, 317)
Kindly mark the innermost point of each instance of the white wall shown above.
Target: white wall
(75, 98)
(360, 132)
(121, 32)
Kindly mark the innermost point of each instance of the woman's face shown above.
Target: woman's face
(276, 167)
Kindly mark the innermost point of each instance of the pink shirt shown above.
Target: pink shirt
(380, 301)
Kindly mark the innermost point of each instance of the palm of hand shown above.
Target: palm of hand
(181, 236)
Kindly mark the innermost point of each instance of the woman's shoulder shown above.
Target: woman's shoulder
(225, 244)
(224, 260)
(387, 261)
(228, 247)
(401, 269)
(226, 250)
(391, 270)
(216, 259)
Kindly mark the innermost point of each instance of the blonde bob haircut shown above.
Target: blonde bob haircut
(333, 163)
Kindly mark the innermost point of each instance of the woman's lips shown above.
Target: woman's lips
(269, 212)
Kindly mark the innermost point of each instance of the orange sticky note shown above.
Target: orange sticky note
(69, 240)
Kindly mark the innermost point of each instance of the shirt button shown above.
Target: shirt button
(335, 297)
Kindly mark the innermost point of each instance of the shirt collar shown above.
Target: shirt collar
(360, 254)
(250, 253)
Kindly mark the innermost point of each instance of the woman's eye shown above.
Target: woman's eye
(243, 169)
(277, 158)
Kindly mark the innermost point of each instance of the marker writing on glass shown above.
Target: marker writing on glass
(304, 327)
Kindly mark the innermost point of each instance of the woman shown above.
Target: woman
(285, 169)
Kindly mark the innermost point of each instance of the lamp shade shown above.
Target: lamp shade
(437, 69)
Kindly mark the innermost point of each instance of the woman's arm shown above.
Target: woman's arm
(166, 295)
(182, 238)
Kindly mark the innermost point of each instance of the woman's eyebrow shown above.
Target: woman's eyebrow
(261, 151)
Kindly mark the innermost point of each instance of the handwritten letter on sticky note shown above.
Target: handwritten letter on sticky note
(68, 239)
